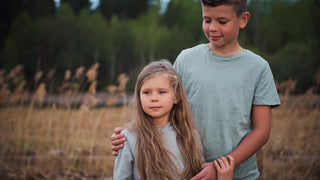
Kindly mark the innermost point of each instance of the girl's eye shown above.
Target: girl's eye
(146, 92)
(162, 92)
(207, 21)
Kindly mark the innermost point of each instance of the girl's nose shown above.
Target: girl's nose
(154, 99)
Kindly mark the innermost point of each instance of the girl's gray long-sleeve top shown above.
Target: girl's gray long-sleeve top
(125, 166)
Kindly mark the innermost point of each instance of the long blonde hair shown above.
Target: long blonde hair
(154, 160)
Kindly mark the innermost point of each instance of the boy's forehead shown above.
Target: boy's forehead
(221, 10)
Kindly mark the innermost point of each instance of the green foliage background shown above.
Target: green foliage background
(124, 35)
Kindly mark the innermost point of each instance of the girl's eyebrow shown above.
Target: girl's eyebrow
(144, 89)
(163, 89)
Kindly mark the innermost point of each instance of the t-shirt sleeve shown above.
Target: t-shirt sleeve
(178, 64)
(124, 162)
(266, 91)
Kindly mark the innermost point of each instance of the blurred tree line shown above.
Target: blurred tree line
(124, 35)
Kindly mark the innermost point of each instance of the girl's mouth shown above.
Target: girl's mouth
(155, 107)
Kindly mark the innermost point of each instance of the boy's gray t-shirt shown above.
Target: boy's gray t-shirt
(221, 91)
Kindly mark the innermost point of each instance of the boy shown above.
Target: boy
(231, 91)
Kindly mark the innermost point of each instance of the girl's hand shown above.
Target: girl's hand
(117, 140)
(225, 167)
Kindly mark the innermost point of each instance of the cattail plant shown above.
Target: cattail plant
(92, 73)
(122, 80)
(92, 87)
(79, 72)
(37, 78)
(18, 93)
(4, 94)
(40, 93)
(67, 75)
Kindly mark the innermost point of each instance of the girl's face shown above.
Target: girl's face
(157, 98)
(221, 27)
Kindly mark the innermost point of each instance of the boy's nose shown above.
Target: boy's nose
(213, 27)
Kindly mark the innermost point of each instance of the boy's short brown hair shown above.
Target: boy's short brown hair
(240, 6)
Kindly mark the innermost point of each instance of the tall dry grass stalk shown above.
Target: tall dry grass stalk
(15, 71)
(40, 94)
(4, 94)
(51, 73)
(67, 75)
(111, 89)
(18, 93)
(92, 87)
(92, 72)
(285, 89)
(122, 80)
(38, 76)
(79, 72)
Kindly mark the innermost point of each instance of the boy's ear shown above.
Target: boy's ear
(244, 19)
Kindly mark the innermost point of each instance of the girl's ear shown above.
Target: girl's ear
(177, 99)
(244, 19)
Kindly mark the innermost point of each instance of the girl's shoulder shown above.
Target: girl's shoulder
(130, 135)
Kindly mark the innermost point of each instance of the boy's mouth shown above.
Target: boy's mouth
(214, 38)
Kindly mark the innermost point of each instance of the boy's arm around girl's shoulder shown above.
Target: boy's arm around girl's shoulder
(124, 161)
(117, 140)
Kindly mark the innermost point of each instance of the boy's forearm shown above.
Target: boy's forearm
(249, 146)
(257, 138)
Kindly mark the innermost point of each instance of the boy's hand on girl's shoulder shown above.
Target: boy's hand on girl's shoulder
(208, 172)
(225, 167)
(117, 140)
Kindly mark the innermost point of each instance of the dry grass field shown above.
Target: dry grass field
(55, 143)
(67, 136)
(66, 143)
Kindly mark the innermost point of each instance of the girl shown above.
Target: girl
(161, 140)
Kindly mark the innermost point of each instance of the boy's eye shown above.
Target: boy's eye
(223, 22)
(207, 21)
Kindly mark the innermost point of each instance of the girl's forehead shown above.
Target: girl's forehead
(158, 75)
(161, 79)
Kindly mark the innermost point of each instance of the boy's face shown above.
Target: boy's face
(221, 26)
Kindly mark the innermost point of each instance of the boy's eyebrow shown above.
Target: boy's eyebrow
(220, 18)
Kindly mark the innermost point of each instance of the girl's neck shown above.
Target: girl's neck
(160, 124)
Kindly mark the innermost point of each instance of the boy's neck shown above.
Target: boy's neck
(221, 51)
